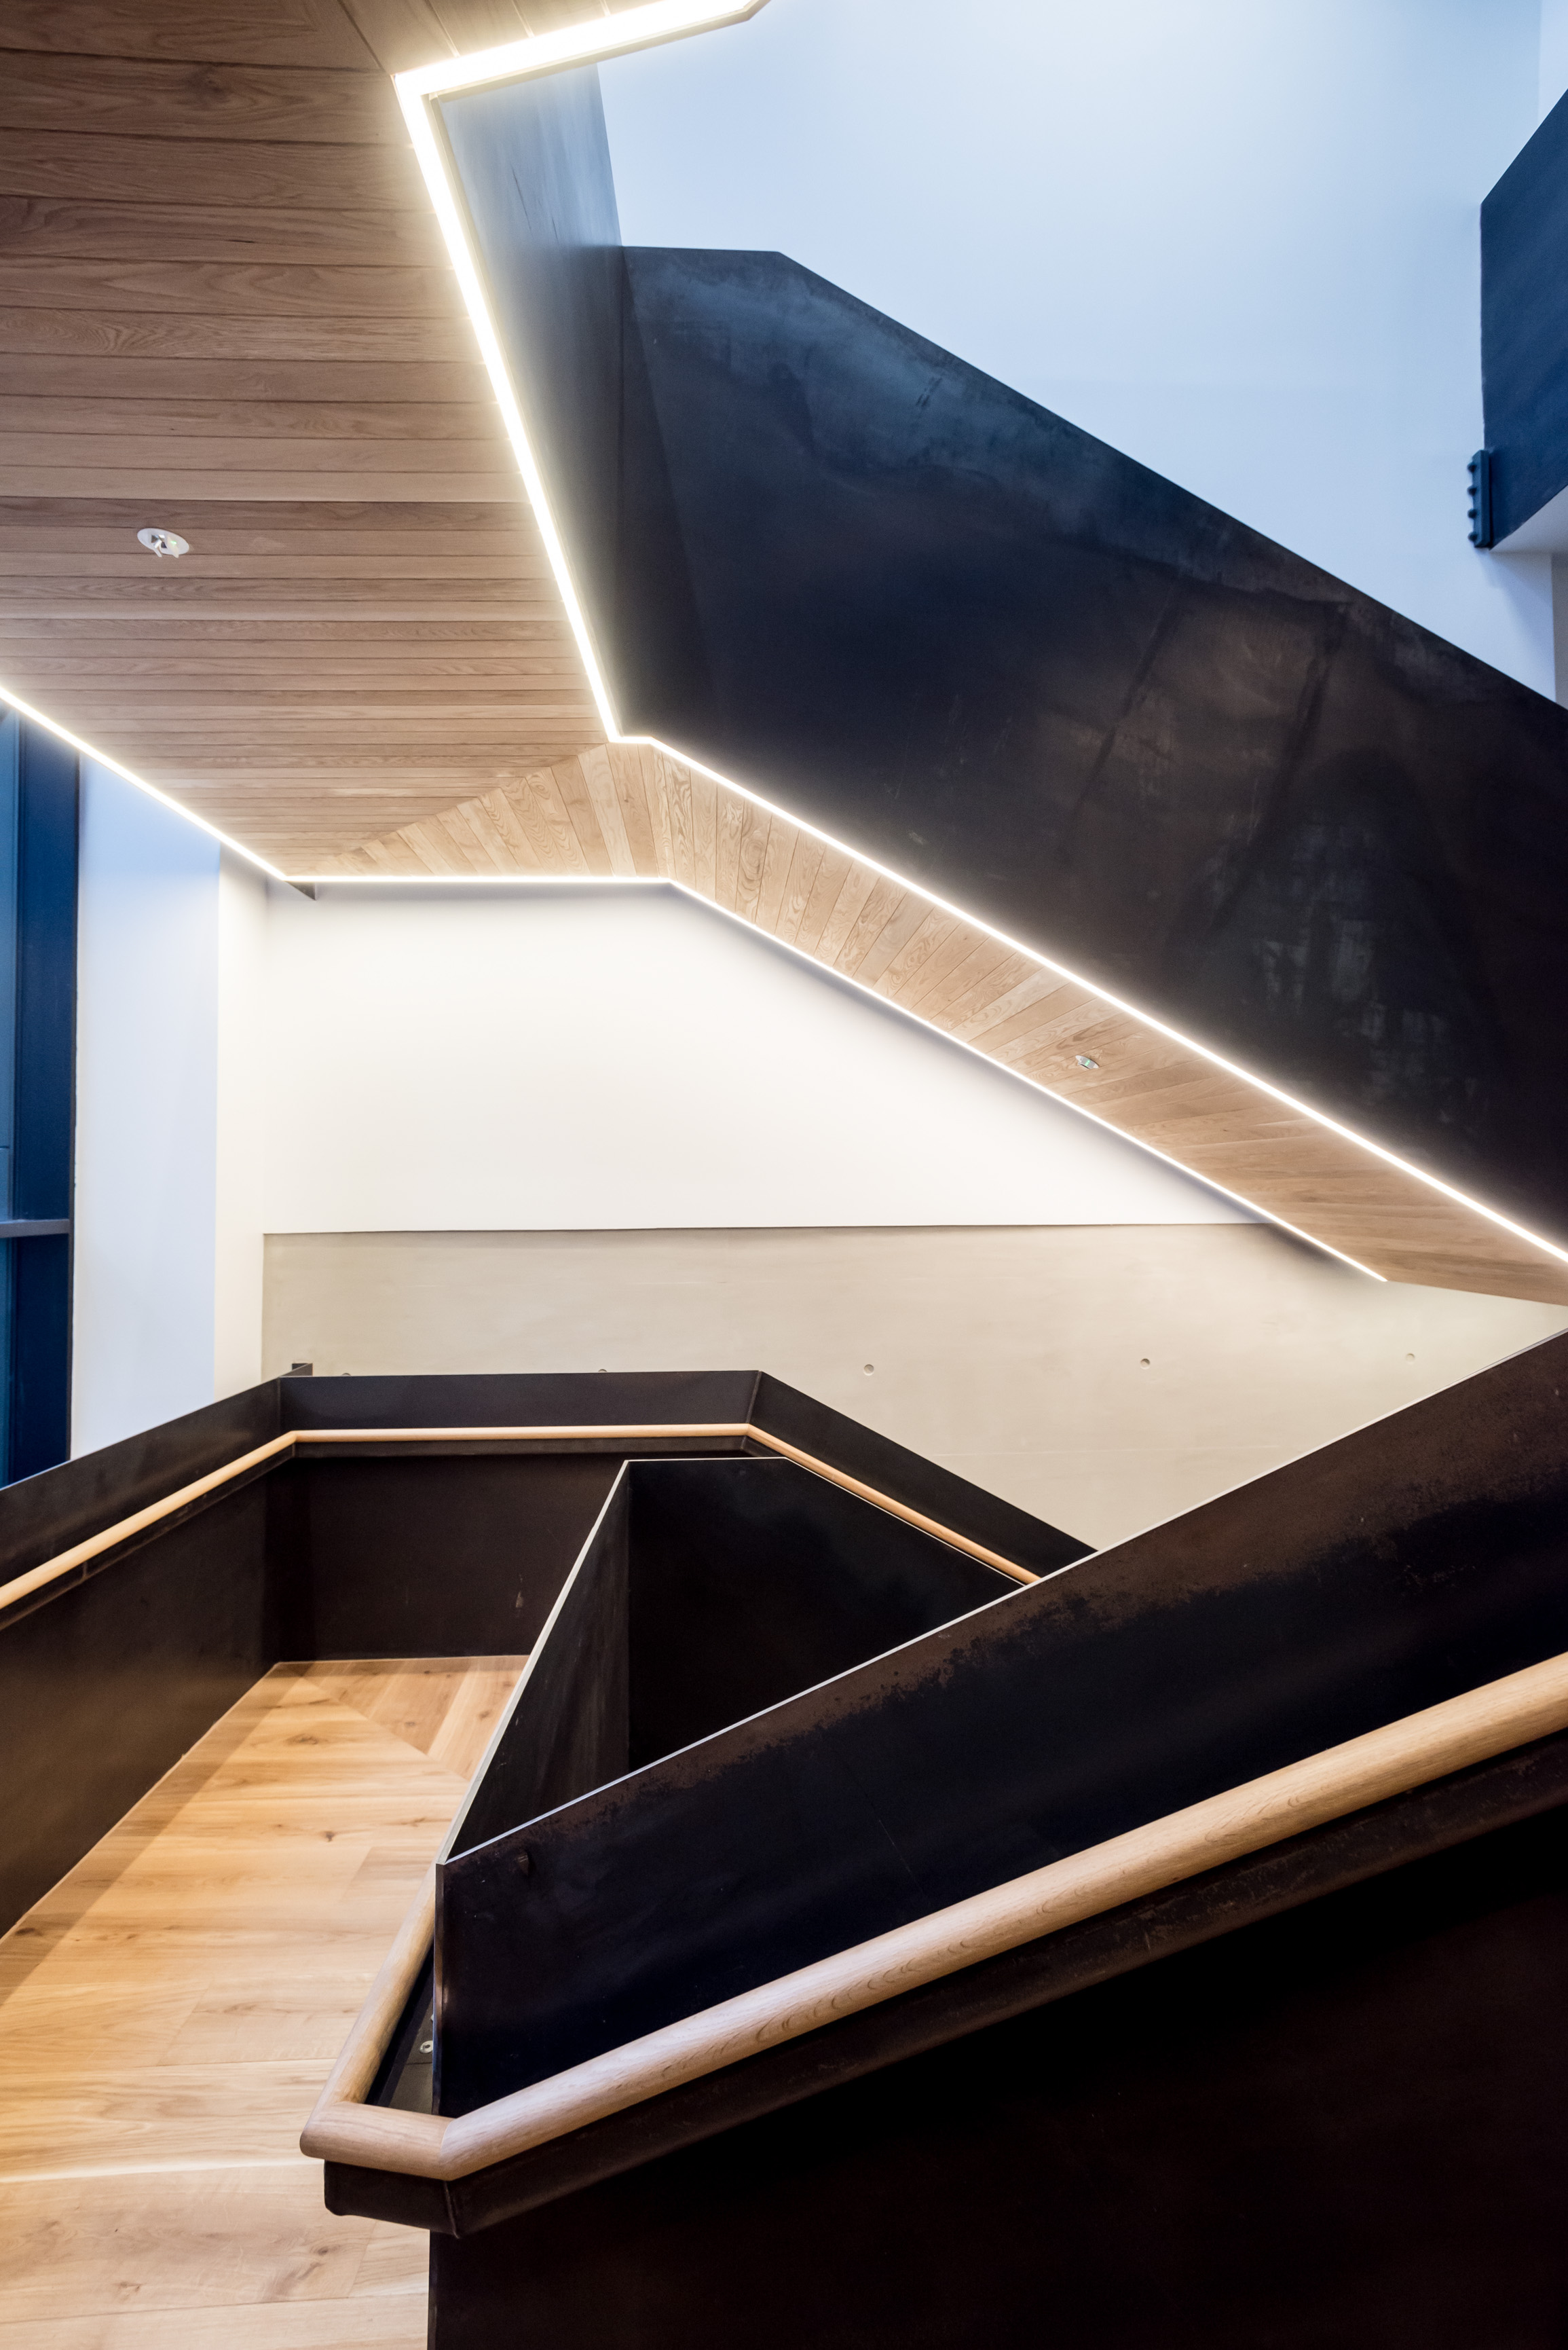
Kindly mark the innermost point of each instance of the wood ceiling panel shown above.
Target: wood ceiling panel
(303, 722)
(230, 32)
(364, 722)
(26, 418)
(489, 647)
(385, 476)
(180, 172)
(138, 98)
(49, 228)
(98, 526)
(249, 289)
(320, 565)
(306, 383)
(226, 310)
(332, 590)
(94, 334)
(402, 662)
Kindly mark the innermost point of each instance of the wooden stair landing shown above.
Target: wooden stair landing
(169, 2013)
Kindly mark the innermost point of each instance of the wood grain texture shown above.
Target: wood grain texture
(225, 308)
(1330, 1785)
(318, 667)
(228, 32)
(630, 809)
(271, 174)
(150, 98)
(163, 2010)
(36, 228)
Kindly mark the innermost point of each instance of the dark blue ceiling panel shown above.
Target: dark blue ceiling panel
(1524, 326)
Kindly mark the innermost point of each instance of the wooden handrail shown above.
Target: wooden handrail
(138, 1521)
(281, 1448)
(898, 1509)
(349, 2081)
(1474, 1728)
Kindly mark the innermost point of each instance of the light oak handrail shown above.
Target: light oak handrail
(1474, 1728)
(138, 1521)
(742, 1428)
(898, 1509)
(282, 1448)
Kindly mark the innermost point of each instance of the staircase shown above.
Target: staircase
(864, 1888)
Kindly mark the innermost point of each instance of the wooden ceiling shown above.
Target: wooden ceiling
(225, 308)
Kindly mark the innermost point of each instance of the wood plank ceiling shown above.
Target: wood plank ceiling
(225, 308)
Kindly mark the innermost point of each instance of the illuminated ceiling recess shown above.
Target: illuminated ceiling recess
(635, 29)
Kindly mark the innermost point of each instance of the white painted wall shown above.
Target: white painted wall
(241, 1111)
(1238, 241)
(582, 1126)
(1554, 55)
(172, 1065)
(617, 1057)
(146, 1038)
(431, 1060)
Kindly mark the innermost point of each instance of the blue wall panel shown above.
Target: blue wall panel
(1524, 326)
(38, 797)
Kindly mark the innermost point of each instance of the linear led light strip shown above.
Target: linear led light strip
(631, 28)
(639, 28)
(129, 775)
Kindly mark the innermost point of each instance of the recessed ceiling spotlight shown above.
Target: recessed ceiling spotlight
(164, 541)
(1085, 1063)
